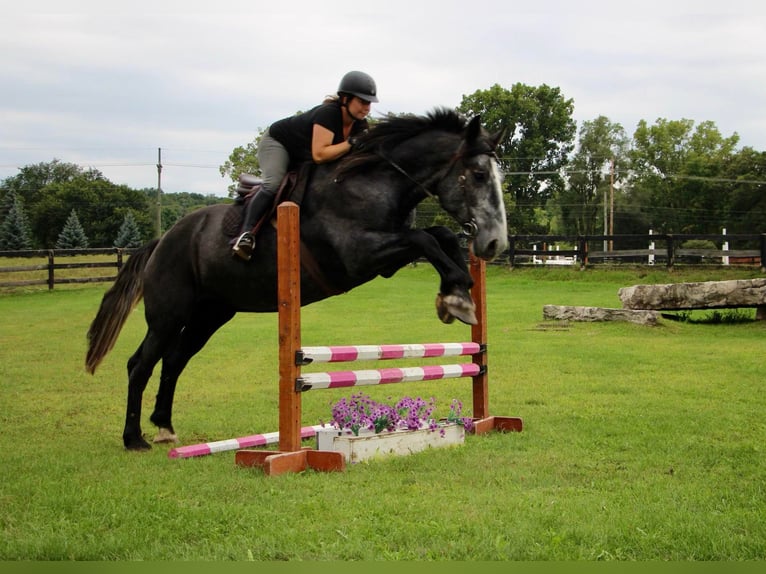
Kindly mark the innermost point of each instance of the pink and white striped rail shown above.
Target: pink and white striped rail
(349, 353)
(236, 443)
(338, 379)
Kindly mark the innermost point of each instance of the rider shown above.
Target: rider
(322, 134)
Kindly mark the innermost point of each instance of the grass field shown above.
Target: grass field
(640, 443)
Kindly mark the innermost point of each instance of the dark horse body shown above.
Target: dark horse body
(354, 222)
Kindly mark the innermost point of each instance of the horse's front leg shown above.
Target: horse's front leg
(440, 247)
(454, 298)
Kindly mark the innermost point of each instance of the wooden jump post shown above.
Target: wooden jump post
(291, 457)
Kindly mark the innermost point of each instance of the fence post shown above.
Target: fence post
(511, 250)
(763, 252)
(119, 259)
(51, 278)
(582, 248)
(671, 251)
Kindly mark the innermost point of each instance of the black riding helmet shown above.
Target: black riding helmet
(360, 85)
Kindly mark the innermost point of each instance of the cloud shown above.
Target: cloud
(107, 85)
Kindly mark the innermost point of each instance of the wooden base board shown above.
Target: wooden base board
(274, 462)
(502, 424)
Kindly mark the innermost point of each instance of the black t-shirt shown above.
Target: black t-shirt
(296, 132)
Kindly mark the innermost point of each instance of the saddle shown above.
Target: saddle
(292, 188)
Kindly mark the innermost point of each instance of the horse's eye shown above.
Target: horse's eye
(480, 176)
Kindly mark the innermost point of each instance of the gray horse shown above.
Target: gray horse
(355, 226)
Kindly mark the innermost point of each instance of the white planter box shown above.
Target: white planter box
(402, 442)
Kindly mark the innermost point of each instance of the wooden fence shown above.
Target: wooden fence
(582, 251)
(670, 249)
(52, 270)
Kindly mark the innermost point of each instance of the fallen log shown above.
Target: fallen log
(702, 295)
(574, 313)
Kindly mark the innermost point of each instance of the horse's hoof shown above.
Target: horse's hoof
(442, 311)
(136, 444)
(451, 307)
(165, 436)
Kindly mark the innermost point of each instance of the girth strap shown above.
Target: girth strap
(311, 267)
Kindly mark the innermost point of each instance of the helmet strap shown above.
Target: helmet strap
(344, 101)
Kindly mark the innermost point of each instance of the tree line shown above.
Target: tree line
(671, 176)
(62, 205)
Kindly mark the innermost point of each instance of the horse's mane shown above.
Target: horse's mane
(393, 130)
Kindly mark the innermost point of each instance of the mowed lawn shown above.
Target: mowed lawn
(639, 443)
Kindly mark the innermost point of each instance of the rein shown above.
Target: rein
(470, 228)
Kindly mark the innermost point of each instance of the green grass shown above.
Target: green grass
(640, 443)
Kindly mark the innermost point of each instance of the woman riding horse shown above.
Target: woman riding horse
(324, 133)
(355, 226)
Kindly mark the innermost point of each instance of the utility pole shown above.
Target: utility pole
(159, 192)
(606, 220)
(611, 204)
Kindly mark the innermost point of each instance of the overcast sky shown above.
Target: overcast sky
(106, 87)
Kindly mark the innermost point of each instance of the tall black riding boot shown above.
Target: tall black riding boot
(256, 209)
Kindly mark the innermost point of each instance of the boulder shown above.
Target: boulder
(572, 313)
(703, 295)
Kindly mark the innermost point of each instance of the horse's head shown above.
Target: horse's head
(471, 191)
(442, 155)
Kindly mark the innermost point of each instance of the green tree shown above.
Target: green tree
(675, 173)
(51, 190)
(243, 159)
(72, 236)
(101, 205)
(540, 136)
(14, 229)
(745, 177)
(32, 179)
(594, 168)
(129, 234)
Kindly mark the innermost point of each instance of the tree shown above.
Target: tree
(130, 234)
(540, 135)
(73, 235)
(176, 205)
(14, 229)
(242, 160)
(100, 204)
(601, 151)
(32, 179)
(675, 173)
(51, 190)
(745, 177)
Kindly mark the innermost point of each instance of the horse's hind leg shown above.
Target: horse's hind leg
(205, 321)
(140, 367)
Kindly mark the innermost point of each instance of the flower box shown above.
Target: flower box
(369, 444)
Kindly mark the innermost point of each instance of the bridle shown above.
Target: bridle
(470, 228)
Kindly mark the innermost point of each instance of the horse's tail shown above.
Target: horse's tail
(116, 306)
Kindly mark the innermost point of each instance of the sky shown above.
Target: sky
(108, 87)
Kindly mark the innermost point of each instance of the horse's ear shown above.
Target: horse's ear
(474, 129)
(498, 136)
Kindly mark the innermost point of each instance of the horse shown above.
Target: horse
(355, 225)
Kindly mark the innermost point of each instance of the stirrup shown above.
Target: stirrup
(244, 246)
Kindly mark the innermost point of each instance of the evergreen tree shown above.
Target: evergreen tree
(15, 232)
(73, 235)
(129, 234)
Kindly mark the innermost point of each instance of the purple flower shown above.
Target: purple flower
(361, 411)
